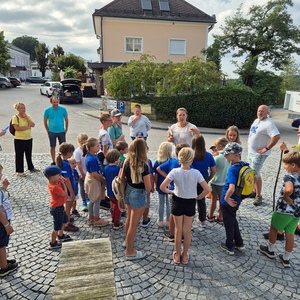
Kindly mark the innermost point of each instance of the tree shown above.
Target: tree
(266, 36)
(290, 76)
(4, 55)
(56, 52)
(28, 44)
(71, 60)
(213, 54)
(41, 57)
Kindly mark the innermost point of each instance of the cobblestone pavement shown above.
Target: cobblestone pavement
(210, 274)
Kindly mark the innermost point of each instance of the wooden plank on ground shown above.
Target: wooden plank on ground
(85, 271)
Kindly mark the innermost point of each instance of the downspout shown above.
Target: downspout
(102, 49)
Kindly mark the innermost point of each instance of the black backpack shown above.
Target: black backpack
(12, 129)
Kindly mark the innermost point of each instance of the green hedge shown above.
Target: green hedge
(215, 108)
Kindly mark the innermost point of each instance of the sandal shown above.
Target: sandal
(22, 174)
(176, 262)
(35, 170)
(219, 221)
(138, 255)
(101, 223)
(210, 219)
(187, 261)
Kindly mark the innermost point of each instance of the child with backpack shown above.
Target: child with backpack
(287, 213)
(229, 201)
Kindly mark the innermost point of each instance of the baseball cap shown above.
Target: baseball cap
(52, 171)
(139, 135)
(115, 113)
(232, 148)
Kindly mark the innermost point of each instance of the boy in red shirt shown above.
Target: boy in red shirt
(59, 195)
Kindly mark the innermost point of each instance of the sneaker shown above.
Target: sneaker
(160, 224)
(11, 261)
(54, 245)
(53, 163)
(75, 213)
(146, 223)
(64, 238)
(280, 237)
(265, 250)
(123, 214)
(169, 237)
(240, 248)
(118, 226)
(229, 251)
(286, 263)
(90, 221)
(258, 201)
(202, 224)
(104, 204)
(84, 207)
(297, 231)
(71, 219)
(9, 268)
(71, 227)
(87, 200)
(100, 223)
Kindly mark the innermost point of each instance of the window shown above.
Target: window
(177, 46)
(164, 5)
(133, 45)
(146, 4)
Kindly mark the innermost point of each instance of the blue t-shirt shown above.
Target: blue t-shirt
(110, 172)
(93, 164)
(66, 167)
(56, 118)
(232, 177)
(168, 166)
(160, 178)
(151, 169)
(76, 179)
(204, 164)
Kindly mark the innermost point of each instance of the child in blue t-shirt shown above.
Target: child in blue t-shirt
(229, 202)
(163, 170)
(73, 164)
(65, 152)
(163, 155)
(110, 172)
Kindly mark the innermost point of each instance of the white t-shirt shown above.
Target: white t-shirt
(79, 158)
(185, 182)
(182, 135)
(261, 132)
(105, 140)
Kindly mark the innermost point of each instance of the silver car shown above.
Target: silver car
(5, 82)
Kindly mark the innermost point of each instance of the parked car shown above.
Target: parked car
(35, 79)
(4, 82)
(15, 81)
(70, 91)
(48, 87)
(296, 122)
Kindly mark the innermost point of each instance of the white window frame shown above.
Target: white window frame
(134, 39)
(178, 52)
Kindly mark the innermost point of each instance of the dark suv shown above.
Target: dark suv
(70, 91)
(4, 82)
(35, 79)
(15, 81)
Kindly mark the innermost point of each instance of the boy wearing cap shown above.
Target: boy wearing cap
(115, 130)
(58, 196)
(229, 202)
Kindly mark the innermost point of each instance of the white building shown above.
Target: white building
(20, 63)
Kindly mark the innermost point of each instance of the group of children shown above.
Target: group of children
(187, 178)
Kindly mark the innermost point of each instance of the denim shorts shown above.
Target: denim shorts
(59, 217)
(256, 162)
(4, 237)
(52, 138)
(136, 198)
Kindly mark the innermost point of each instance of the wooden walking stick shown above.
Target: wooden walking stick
(275, 186)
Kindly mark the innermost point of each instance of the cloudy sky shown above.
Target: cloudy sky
(69, 22)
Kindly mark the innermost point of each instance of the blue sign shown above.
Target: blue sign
(121, 106)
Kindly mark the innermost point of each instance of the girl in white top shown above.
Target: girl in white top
(182, 131)
(184, 201)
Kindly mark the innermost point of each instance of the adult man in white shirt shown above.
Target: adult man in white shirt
(263, 136)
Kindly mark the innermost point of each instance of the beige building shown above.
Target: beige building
(168, 29)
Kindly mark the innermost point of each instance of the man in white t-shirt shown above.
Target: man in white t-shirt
(263, 136)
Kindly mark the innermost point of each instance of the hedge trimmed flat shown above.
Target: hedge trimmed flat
(139, 255)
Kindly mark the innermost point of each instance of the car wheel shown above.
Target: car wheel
(3, 86)
(41, 92)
